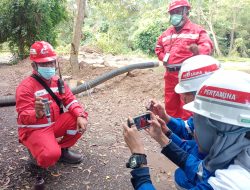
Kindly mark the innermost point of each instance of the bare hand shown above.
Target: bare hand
(39, 107)
(81, 124)
(164, 127)
(132, 139)
(194, 49)
(155, 130)
(158, 109)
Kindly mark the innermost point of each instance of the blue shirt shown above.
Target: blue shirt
(184, 129)
(187, 162)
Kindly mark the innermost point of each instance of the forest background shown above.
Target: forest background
(120, 26)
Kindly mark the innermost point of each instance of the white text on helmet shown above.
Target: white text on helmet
(33, 51)
(219, 94)
(191, 74)
(44, 50)
(199, 71)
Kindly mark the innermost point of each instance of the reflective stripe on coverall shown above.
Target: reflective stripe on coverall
(42, 141)
(177, 45)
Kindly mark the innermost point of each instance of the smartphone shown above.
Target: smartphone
(141, 121)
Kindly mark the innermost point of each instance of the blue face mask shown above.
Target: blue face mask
(176, 19)
(47, 72)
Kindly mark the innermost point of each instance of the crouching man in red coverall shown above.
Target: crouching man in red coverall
(178, 43)
(38, 130)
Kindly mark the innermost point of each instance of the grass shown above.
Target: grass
(233, 59)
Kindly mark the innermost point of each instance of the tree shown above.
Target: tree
(235, 8)
(23, 22)
(207, 11)
(227, 21)
(77, 35)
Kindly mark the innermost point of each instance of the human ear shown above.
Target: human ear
(34, 66)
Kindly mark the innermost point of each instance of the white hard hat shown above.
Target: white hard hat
(194, 71)
(224, 97)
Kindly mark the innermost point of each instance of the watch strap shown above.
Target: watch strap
(168, 133)
(140, 160)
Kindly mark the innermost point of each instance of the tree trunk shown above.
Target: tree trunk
(216, 45)
(77, 36)
(210, 25)
(232, 32)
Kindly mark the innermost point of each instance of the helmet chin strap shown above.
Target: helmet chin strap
(183, 21)
(36, 68)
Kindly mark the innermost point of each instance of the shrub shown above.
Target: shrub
(25, 21)
(145, 39)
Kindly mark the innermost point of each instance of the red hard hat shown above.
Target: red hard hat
(41, 52)
(178, 3)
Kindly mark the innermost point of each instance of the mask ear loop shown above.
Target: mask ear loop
(35, 65)
(36, 68)
(185, 13)
(184, 17)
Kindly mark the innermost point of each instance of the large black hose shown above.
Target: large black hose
(10, 100)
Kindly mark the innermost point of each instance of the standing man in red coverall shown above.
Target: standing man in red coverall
(179, 42)
(38, 130)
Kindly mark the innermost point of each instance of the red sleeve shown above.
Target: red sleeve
(204, 43)
(25, 106)
(159, 49)
(70, 103)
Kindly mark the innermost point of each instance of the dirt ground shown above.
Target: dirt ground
(105, 153)
(103, 147)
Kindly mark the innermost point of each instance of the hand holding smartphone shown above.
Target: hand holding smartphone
(140, 121)
(149, 106)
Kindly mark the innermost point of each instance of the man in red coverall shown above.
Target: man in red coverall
(38, 130)
(179, 42)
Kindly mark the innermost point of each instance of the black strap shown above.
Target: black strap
(52, 94)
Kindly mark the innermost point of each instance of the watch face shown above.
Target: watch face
(133, 162)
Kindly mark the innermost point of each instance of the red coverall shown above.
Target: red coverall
(176, 44)
(38, 135)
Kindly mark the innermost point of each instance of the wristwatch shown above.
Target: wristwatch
(136, 160)
(168, 133)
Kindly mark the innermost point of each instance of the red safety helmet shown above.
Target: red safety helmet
(178, 3)
(42, 52)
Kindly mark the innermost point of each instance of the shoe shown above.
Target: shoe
(32, 160)
(70, 157)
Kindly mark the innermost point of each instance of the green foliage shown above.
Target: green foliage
(116, 26)
(111, 44)
(228, 18)
(25, 21)
(240, 48)
(132, 26)
(146, 38)
(119, 27)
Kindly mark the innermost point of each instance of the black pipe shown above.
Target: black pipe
(7, 101)
(10, 100)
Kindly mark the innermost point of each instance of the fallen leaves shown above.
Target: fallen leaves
(4, 182)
